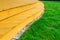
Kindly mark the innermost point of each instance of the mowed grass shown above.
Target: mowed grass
(48, 26)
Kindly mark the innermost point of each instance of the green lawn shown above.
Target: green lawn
(48, 27)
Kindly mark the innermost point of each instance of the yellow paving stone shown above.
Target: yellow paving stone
(10, 26)
(12, 21)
